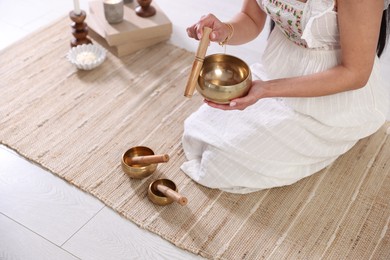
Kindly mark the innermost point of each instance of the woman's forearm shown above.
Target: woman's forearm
(335, 80)
(247, 24)
(245, 30)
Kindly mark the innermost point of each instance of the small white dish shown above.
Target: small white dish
(86, 56)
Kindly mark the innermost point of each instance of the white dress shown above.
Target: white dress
(278, 141)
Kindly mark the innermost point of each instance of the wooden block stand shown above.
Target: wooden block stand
(79, 29)
(131, 35)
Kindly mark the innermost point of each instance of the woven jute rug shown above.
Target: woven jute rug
(77, 124)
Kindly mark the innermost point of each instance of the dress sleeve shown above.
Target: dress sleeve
(321, 29)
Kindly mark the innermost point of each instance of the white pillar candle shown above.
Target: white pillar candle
(112, 1)
(76, 4)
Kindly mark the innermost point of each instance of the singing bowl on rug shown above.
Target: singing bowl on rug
(156, 196)
(137, 171)
(223, 77)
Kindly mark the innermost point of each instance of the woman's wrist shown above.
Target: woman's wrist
(262, 89)
(230, 34)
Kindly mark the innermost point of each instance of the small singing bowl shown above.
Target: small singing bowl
(137, 171)
(158, 197)
(223, 77)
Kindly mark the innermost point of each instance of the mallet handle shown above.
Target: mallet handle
(172, 194)
(148, 159)
(198, 62)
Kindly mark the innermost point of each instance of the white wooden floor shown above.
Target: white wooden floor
(43, 217)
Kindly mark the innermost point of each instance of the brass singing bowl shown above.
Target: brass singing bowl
(158, 197)
(223, 77)
(137, 171)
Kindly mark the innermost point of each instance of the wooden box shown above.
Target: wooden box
(134, 33)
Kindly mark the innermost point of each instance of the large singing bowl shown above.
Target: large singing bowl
(223, 77)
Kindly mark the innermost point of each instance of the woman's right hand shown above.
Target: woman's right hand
(257, 91)
(220, 31)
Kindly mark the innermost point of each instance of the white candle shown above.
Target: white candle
(77, 10)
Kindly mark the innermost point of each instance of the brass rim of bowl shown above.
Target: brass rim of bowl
(204, 84)
(243, 63)
(138, 171)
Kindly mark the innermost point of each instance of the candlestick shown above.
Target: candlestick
(145, 9)
(80, 29)
(77, 9)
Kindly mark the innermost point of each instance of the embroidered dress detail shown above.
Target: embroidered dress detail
(311, 25)
(288, 18)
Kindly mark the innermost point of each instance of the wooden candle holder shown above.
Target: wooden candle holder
(79, 29)
(145, 9)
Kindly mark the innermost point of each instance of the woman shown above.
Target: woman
(317, 92)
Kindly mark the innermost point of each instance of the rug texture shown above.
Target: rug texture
(77, 124)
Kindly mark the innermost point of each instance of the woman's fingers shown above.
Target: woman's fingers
(196, 31)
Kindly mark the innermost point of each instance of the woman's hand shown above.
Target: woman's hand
(246, 25)
(256, 92)
(219, 29)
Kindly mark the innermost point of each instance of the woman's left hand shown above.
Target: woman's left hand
(256, 92)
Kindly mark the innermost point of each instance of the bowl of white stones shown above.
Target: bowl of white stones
(86, 56)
